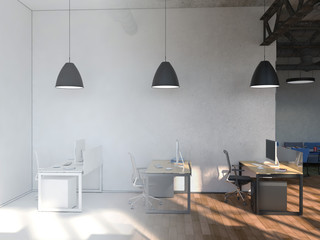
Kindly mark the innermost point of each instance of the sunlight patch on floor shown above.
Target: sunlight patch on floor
(47, 226)
(10, 221)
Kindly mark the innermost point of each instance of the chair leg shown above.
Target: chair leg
(133, 198)
(238, 193)
(226, 195)
(132, 201)
(137, 198)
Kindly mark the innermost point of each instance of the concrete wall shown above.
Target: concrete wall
(297, 109)
(15, 100)
(214, 52)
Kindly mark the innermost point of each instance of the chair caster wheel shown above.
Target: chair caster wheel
(226, 201)
(131, 207)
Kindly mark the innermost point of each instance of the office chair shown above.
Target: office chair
(235, 179)
(37, 164)
(138, 181)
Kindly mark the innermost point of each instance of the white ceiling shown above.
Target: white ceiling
(133, 4)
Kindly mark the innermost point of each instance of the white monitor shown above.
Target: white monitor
(79, 147)
(179, 158)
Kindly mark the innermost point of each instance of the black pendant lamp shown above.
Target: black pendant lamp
(264, 76)
(69, 76)
(165, 76)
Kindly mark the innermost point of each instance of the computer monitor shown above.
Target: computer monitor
(79, 147)
(271, 150)
(179, 158)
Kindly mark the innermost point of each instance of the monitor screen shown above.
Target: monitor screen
(80, 146)
(270, 149)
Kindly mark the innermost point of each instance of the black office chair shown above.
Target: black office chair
(235, 179)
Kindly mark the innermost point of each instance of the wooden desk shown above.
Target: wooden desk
(270, 172)
(165, 167)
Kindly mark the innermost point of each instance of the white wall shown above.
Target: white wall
(15, 100)
(214, 52)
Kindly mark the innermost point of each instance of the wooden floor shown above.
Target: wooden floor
(107, 216)
(211, 218)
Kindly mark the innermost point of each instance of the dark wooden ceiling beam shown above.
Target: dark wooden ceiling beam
(305, 25)
(298, 45)
(282, 27)
(314, 36)
(286, 67)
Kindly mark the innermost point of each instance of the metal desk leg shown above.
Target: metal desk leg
(188, 189)
(39, 191)
(257, 195)
(80, 192)
(240, 174)
(301, 195)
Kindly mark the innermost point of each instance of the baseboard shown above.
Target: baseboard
(16, 198)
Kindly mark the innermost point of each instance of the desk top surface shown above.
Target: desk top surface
(252, 165)
(166, 167)
(73, 168)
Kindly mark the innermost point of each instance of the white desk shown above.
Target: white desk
(61, 172)
(166, 168)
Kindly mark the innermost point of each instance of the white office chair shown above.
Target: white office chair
(37, 164)
(36, 158)
(138, 181)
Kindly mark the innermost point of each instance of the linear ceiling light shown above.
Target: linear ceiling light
(300, 80)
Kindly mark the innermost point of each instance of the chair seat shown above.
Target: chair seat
(241, 179)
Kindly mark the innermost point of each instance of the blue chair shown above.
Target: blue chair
(313, 157)
(311, 145)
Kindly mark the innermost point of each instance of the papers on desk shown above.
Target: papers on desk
(69, 167)
(280, 169)
(158, 166)
(257, 164)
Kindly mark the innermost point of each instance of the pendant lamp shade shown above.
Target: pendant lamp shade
(69, 77)
(165, 77)
(264, 76)
(300, 80)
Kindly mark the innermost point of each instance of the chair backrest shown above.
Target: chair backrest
(79, 147)
(135, 173)
(228, 160)
(92, 159)
(36, 159)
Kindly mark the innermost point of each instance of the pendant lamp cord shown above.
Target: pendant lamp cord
(69, 30)
(165, 30)
(264, 47)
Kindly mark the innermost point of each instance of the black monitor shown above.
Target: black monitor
(271, 151)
